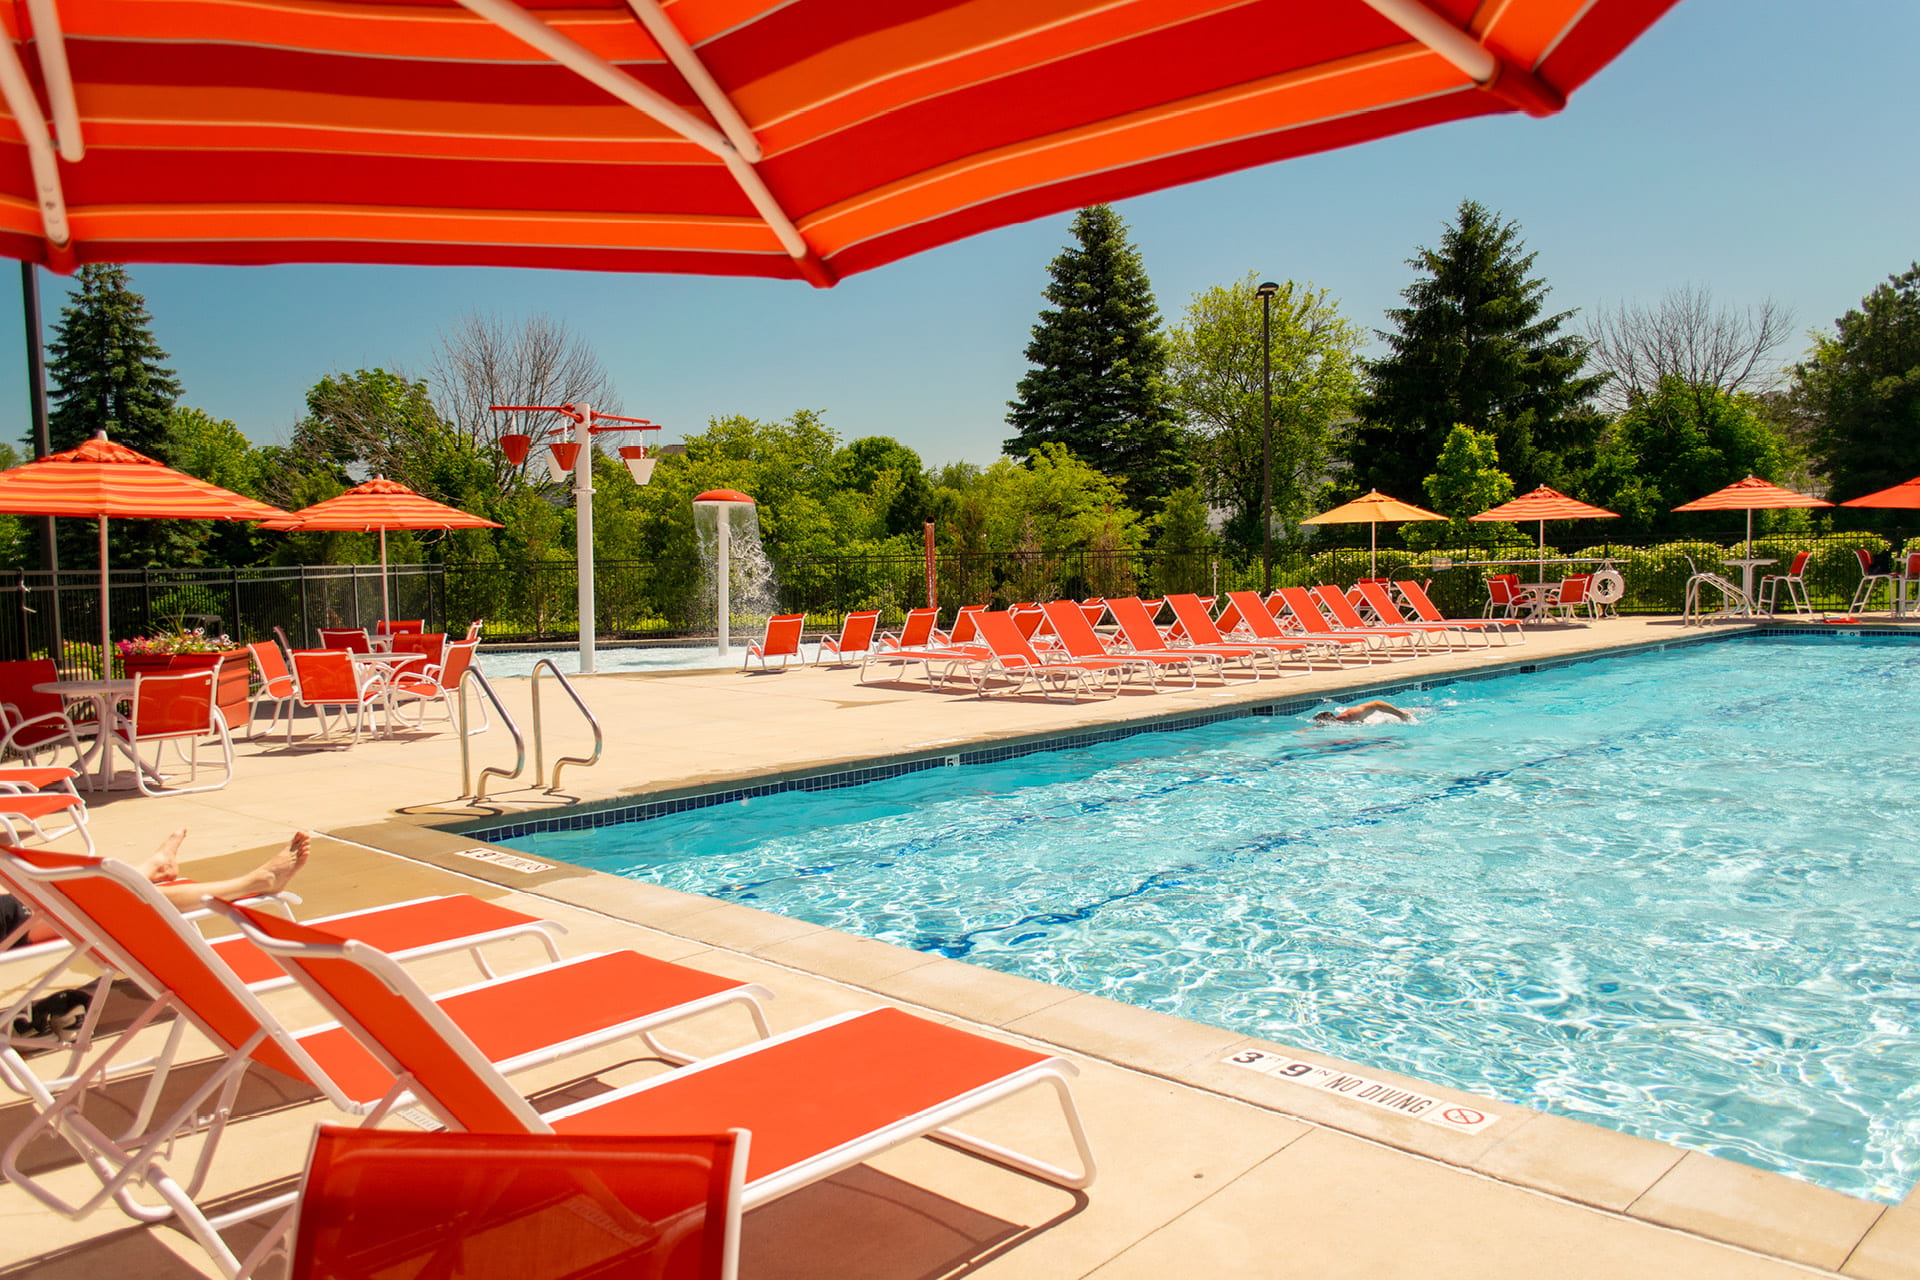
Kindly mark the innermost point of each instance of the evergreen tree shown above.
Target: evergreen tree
(108, 374)
(1861, 388)
(1474, 346)
(1098, 385)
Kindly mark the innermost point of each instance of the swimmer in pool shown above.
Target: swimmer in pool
(1363, 713)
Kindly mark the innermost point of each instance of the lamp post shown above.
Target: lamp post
(576, 455)
(1265, 293)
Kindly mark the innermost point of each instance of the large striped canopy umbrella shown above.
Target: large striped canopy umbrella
(803, 139)
(1371, 510)
(1545, 504)
(1905, 495)
(378, 505)
(104, 480)
(1753, 494)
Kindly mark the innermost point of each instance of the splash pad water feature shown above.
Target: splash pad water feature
(727, 523)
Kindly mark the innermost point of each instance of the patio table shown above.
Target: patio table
(1746, 565)
(106, 696)
(387, 665)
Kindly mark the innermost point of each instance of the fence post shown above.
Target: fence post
(306, 618)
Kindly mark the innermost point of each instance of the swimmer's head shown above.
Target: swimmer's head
(1325, 717)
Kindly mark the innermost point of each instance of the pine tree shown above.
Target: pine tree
(1098, 385)
(1474, 346)
(108, 374)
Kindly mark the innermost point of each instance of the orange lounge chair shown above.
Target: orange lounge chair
(1416, 597)
(509, 1206)
(782, 641)
(1078, 639)
(917, 632)
(1303, 606)
(1013, 658)
(1135, 620)
(1386, 613)
(26, 812)
(964, 632)
(854, 642)
(1261, 628)
(582, 1003)
(814, 1101)
(1347, 618)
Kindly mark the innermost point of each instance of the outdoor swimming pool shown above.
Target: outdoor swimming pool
(1671, 893)
(507, 663)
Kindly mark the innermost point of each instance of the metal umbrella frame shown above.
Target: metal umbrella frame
(102, 480)
(376, 506)
(789, 139)
(1372, 510)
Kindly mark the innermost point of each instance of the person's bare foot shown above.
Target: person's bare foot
(272, 875)
(164, 865)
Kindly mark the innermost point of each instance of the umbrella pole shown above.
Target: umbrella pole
(106, 631)
(386, 612)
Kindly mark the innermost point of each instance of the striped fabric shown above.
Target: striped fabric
(1751, 494)
(805, 139)
(102, 478)
(379, 504)
(1546, 504)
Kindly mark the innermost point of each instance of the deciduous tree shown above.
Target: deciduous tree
(1098, 384)
(1466, 480)
(1475, 345)
(1861, 384)
(1686, 336)
(1217, 372)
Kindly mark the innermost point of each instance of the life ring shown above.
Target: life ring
(1607, 587)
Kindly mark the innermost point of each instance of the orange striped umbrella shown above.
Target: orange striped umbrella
(797, 139)
(1545, 504)
(1905, 495)
(1750, 495)
(378, 505)
(104, 480)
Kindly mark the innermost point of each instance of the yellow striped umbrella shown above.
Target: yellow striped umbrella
(104, 480)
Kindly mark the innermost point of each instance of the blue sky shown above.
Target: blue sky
(1758, 148)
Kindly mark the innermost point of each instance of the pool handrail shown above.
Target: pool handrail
(466, 751)
(539, 735)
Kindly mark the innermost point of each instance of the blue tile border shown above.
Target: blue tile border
(610, 812)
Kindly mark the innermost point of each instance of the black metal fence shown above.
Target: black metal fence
(646, 599)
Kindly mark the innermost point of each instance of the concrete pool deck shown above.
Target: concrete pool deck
(1206, 1166)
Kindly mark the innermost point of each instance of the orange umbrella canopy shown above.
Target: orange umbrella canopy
(105, 481)
(1904, 495)
(102, 479)
(802, 139)
(1753, 493)
(379, 504)
(1546, 503)
(1370, 511)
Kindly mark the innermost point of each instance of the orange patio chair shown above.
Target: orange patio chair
(1504, 594)
(1573, 594)
(1796, 584)
(518, 1022)
(439, 683)
(1415, 594)
(855, 641)
(815, 1101)
(430, 645)
(399, 626)
(324, 679)
(351, 639)
(32, 723)
(509, 1206)
(176, 708)
(782, 641)
(276, 685)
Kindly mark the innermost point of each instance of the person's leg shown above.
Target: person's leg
(270, 876)
(164, 865)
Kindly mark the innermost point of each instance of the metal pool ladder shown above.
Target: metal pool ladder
(479, 677)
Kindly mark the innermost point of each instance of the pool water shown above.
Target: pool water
(1675, 893)
(507, 663)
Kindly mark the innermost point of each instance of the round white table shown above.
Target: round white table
(106, 696)
(387, 665)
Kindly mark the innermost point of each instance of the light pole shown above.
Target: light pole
(577, 456)
(1265, 293)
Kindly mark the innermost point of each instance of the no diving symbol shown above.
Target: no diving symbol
(1462, 1116)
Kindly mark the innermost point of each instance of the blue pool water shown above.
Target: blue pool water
(1677, 893)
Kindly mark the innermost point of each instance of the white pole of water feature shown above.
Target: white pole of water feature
(723, 503)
